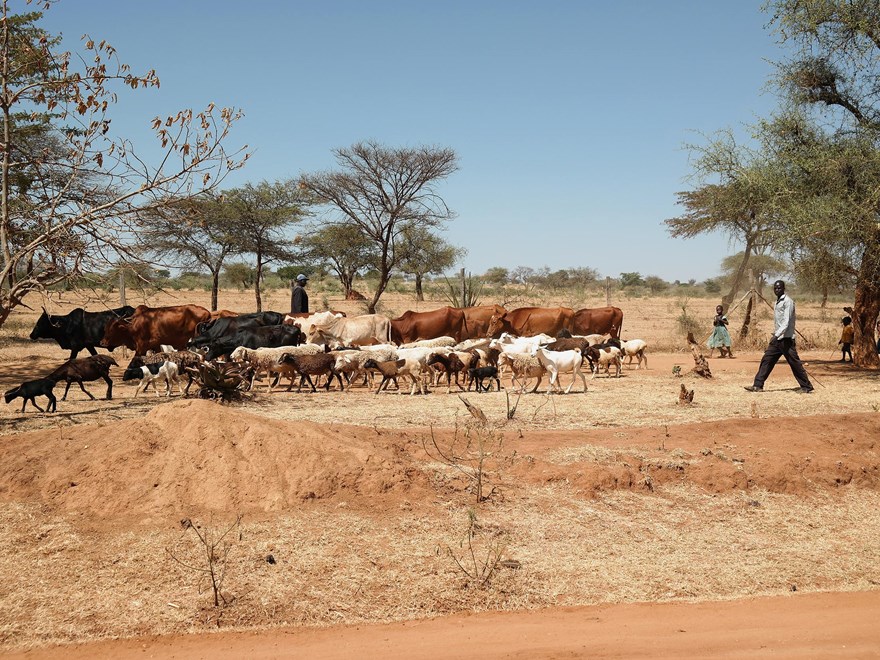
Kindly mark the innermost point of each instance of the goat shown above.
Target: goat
(557, 362)
(478, 374)
(391, 369)
(270, 358)
(351, 363)
(149, 370)
(320, 364)
(85, 369)
(449, 365)
(30, 390)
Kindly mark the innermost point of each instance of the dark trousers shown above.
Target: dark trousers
(776, 349)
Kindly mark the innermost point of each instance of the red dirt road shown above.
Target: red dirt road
(826, 625)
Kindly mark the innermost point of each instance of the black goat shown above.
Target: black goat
(83, 369)
(479, 374)
(30, 390)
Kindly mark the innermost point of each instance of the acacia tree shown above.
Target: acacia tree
(383, 192)
(835, 75)
(733, 196)
(71, 190)
(344, 248)
(260, 216)
(424, 253)
(194, 232)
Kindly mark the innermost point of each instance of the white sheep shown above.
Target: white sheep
(635, 348)
(608, 355)
(559, 362)
(437, 342)
(522, 368)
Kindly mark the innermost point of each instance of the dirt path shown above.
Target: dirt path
(827, 625)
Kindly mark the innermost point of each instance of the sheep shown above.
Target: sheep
(510, 344)
(316, 364)
(523, 367)
(633, 348)
(478, 374)
(596, 339)
(85, 369)
(30, 390)
(470, 344)
(437, 342)
(270, 358)
(557, 362)
(391, 369)
(607, 355)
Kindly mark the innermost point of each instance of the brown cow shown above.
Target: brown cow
(598, 321)
(529, 321)
(222, 314)
(150, 327)
(476, 320)
(413, 326)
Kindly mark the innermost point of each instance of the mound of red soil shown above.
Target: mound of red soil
(191, 457)
(792, 455)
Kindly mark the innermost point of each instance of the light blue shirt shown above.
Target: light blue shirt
(783, 314)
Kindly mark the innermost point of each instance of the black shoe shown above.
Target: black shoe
(805, 390)
(753, 388)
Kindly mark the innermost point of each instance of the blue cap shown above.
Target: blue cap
(302, 278)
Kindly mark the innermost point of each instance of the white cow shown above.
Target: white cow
(357, 331)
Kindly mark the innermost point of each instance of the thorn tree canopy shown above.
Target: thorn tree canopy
(71, 190)
(384, 192)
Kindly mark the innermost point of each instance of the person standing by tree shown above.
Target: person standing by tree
(846, 338)
(299, 299)
(720, 338)
(782, 343)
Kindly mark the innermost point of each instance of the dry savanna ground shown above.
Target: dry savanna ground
(351, 515)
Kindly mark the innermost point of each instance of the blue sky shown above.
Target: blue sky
(569, 118)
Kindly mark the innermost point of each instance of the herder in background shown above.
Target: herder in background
(299, 299)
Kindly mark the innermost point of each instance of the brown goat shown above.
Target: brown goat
(85, 369)
(318, 364)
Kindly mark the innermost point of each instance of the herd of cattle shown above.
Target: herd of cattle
(471, 343)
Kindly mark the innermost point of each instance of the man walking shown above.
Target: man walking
(299, 299)
(782, 343)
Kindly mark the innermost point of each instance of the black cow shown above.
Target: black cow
(212, 331)
(271, 336)
(79, 329)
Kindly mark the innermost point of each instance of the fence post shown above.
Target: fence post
(607, 291)
(122, 288)
(463, 287)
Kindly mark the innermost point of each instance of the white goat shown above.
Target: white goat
(167, 371)
(608, 355)
(557, 362)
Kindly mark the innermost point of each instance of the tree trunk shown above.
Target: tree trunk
(419, 295)
(347, 281)
(867, 306)
(747, 319)
(824, 297)
(259, 276)
(215, 289)
(737, 278)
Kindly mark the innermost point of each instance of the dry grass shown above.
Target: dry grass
(70, 584)
(68, 577)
